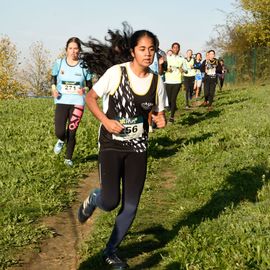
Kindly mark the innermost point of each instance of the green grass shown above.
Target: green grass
(206, 200)
(205, 203)
(33, 181)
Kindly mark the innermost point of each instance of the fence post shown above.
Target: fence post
(254, 64)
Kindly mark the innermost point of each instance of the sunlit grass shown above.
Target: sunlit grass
(206, 200)
(205, 203)
(33, 181)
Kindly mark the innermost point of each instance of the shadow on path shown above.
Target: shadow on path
(196, 117)
(85, 159)
(163, 147)
(239, 186)
(232, 101)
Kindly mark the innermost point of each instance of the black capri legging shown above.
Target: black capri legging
(172, 93)
(72, 114)
(209, 89)
(131, 168)
(189, 85)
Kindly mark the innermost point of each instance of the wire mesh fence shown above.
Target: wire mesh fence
(248, 66)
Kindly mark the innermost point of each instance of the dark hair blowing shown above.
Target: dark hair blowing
(99, 56)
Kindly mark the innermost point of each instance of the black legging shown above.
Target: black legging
(172, 92)
(209, 89)
(131, 168)
(189, 86)
(221, 80)
(72, 114)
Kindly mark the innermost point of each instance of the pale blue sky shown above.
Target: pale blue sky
(190, 23)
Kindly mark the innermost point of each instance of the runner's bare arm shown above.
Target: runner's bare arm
(112, 126)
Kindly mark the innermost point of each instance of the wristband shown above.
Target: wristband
(53, 87)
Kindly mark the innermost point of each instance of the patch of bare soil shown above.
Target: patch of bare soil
(170, 179)
(60, 252)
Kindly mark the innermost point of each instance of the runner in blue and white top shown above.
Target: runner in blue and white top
(129, 91)
(159, 66)
(198, 76)
(70, 81)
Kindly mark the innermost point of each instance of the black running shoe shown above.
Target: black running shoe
(115, 262)
(171, 120)
(87, 207)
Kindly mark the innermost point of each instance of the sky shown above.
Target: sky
(53, 22)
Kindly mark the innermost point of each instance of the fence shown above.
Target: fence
(248, 66)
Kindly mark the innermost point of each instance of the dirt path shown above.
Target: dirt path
(60, 252)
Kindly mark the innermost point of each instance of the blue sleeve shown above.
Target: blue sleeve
(56, 67)
(88, 75)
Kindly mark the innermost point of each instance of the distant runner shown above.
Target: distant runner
(212, 68)
(70, 81)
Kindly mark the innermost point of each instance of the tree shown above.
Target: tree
(9, 85)
(37, 70)
(249, 30)
(245, 40)
(258, 29)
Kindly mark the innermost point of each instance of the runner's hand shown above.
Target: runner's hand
(159, 120)
(55, 93)
(81, 91)
(113, 126)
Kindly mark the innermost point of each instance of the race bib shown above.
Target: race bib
(211, 71)
(70, 87)
(133, 129)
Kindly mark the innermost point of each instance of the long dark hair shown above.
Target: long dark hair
(99, 56)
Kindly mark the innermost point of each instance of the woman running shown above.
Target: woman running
(189, 76)
(212, 68)
(159, 66)
(221, 76)
(173, 78)
(70, 81)
(130, 90)
(198, 76)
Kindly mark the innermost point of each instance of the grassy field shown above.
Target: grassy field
(33, 181)
(206, 200)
